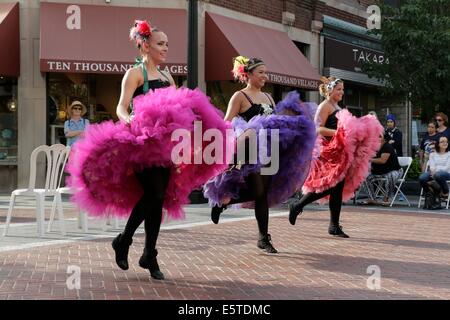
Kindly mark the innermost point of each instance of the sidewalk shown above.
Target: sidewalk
(200, 260)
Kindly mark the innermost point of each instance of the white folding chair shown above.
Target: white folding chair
(358, 191)
(111, 222)
(448, 197)
(421, 197)
(427, 168)
(380, 191)
(82, 216)
(57, 206)
(56, 156)
(405, 162)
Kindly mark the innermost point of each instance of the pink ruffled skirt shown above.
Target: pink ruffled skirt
(103, 163)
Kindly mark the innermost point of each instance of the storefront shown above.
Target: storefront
(9, 73)
(77, 51)
(346, 48)
(85, 50)
(225, 38)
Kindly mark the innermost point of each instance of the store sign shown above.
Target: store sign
(349, 57)
(95, 38)
(364, 56)
(177, 69)
(102, 67)
(293, 81)
(89, 67)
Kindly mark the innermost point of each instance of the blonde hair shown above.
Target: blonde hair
(328, 85)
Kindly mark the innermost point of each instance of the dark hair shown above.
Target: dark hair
(242, 66)
(438, 148)
(252, 64)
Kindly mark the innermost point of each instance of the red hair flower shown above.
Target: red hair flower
(143, 28)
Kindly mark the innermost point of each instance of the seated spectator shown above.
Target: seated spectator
(428, 145)
(439, 168)
(442, 123)
(384, 165)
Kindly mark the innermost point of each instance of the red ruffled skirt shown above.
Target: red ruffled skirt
(345, 156)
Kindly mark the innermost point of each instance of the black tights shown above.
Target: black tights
(154, 182)
(257, 186)
(335, 203)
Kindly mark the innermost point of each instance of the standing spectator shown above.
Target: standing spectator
(396, 136)
(428, 144)
(76, 124)
(442, 123)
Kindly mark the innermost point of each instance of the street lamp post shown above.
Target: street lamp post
(192, 76)
(409, 126)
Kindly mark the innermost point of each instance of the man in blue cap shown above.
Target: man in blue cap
(395, 135)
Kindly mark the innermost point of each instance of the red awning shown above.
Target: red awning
(227, 38)
(94, 39)
(9, 39)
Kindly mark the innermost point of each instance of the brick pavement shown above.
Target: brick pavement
(221, 261)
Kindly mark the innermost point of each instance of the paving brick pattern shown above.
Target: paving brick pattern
(21, 215)
(222, 262)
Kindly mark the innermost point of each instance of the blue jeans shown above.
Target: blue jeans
(440, 177)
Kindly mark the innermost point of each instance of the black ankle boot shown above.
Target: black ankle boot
(337, 231)
(264, 242)
(148, 261)
(215, 213)
(121, 248)
(294, 211)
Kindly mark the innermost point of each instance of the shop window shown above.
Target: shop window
(357, 112)
(221, 92)
(364, 99)
(351, 97)
(8, 120)
(303, 47)
(98, 92)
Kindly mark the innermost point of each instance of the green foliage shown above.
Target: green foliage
(415, 170)
(416, 39)
(218, 98)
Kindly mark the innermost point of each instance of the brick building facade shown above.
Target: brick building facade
(309, 24)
